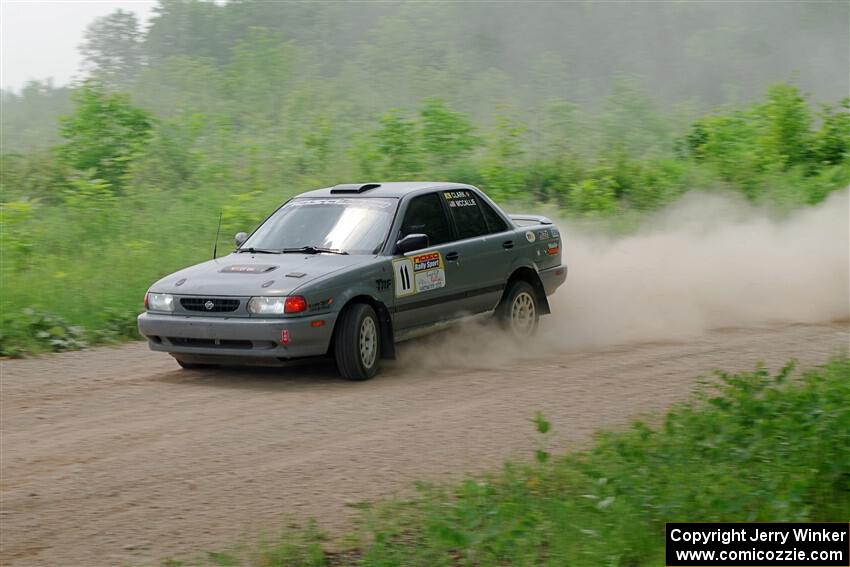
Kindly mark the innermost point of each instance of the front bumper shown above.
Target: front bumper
(553, 278)
(230, 337)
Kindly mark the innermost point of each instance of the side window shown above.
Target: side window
(494, 222)
(425, 215)
(465, 213)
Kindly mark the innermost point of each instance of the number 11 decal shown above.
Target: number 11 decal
(403, 276)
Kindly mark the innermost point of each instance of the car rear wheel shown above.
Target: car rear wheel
(357, 345)
(519, 313)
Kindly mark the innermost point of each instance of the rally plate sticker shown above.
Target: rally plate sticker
(419, 273)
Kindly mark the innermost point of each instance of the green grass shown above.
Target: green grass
(746, 447)
(84, 278)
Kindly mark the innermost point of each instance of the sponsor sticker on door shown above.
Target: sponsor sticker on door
(418, 273)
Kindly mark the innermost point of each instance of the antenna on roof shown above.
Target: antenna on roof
(217, 232)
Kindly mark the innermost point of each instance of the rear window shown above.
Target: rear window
(495, 223)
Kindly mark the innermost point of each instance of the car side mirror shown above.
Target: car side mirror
(412, 242)
(240, 238)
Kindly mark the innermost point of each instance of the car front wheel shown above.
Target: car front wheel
(357, 345)
(518, 313)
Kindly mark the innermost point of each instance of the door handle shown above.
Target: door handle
(508, 244)
(452, 256)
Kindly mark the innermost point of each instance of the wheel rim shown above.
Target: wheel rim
(523, 314)
(368, 342)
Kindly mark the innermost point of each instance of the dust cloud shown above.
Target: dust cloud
(709, 261)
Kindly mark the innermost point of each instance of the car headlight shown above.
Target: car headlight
(277, 305)
(160, 302)
(266, 305)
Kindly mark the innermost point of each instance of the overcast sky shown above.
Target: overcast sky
(40, 38)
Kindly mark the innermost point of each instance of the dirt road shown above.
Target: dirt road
(115, 456)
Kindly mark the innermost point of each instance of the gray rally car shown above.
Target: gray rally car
(350, 270)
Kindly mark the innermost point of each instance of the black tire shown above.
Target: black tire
(193, 365)
(519, 311)
(357, 342)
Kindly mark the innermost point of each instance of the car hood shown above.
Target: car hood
(255, 274)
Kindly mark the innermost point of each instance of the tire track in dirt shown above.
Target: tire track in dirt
(114, 456)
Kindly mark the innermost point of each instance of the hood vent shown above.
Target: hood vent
(354, 188)
(247, 269)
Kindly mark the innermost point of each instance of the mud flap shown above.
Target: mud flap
(387, 336)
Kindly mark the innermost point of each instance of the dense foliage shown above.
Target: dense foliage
(365, 58)
(233, 107)
(748, 447)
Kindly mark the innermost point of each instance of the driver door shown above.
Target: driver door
(423, 294)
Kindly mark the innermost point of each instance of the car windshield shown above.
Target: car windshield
(352, 225)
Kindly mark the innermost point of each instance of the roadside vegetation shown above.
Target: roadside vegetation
(114, 182)
(747, 447)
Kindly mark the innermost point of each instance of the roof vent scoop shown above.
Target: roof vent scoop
(354, 188)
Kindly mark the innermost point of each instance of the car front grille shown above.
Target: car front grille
(209, 304)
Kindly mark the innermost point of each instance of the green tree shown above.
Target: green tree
(36, 175)
(784, 135)
(558, 129)
(501, 168)
(594, 197)
(104, 133)
(257, 77)
(187, 28)
(318, 140)
(28, 119)
(832, 140)
(447, 136)
(397, 144)
(728, 142)
(112, 49)
(364, 153)
(168, 159)
(179, 85)
(631, 124)
(16, 228)
(656, 183)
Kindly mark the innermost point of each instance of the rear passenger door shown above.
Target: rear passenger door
(477, 260)
(500, 240)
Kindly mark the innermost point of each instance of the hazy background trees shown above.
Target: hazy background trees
(112, 50)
